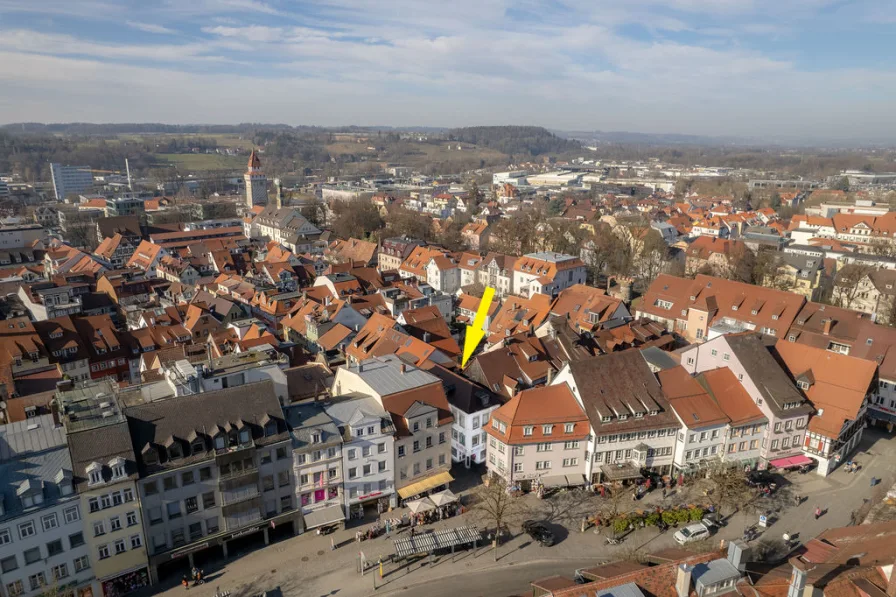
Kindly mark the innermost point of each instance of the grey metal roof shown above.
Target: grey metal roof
(31, 435)
(347, 409)
(714, 572)
(658, 358)
(384, 376)
(30, 460)
(306, 419)
(628, 589)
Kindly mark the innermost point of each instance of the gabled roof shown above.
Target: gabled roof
(731, 397)
(690, 401)
(770, 379)
(536, 407)
(607, 393)
(838, 383)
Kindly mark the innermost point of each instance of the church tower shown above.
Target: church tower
(256, 183)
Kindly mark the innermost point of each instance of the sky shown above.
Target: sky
(756, 68)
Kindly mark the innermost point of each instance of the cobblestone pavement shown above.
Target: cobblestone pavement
(306, 565)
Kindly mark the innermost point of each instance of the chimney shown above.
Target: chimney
(327, 301)
(798, 579)
(54, 410)
(736, 552)
(827, 326)
(404, 368)
(550, 376)
(683, 580)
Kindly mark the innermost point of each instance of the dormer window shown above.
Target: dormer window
(803, 384)
(527, 430)
(64, 481)
(117, 467)
(94, 473)
(198, 446)
(174, 451)
(315, 437)
(150, 455)
(270, 428)
(547, 429)
(244, 436)
(220, 442)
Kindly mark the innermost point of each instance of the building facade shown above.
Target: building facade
(105, 475)
(42, 544)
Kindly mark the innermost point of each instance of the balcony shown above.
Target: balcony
(237, 474)
(239, 494)
(243, 519)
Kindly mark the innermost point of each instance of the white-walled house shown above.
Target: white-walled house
(701, 438)
(632, 423)
(472, 405)
(42, 541)
(368, 452)
(767, 384)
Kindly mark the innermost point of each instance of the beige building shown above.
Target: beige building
(421, 415)
(105, 474)
(539, 437)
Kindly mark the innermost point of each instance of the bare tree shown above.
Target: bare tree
(847, 283)
(496, 506)
(729, 489)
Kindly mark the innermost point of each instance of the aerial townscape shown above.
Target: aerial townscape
(319, 359)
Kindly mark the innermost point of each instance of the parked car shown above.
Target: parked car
(539, 531)
(694, 532)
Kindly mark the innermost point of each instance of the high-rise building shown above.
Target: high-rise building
(256, 183)
(68, 180)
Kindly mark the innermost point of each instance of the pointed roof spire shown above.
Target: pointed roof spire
(254, 162)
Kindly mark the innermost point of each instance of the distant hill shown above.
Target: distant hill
(514, 140)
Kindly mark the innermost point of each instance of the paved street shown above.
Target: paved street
(305, 565)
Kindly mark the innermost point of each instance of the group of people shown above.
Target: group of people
(852, 467)
(196, 574)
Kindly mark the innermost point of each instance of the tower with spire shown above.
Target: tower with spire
(256, 183)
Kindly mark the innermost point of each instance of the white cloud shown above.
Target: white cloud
(558, 63)
(150, 28)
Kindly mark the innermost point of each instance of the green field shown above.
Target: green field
(202, 161)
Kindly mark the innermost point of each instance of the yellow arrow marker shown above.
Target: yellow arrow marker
(476, 331)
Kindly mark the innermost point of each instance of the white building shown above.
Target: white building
(70, 180)
(546, 272)
(471, 405)
(632, 424)
(317, 465)
(368, 453)
(42, 543)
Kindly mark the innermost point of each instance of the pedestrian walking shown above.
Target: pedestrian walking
(185, 582)
(664, 492)
(817, 512)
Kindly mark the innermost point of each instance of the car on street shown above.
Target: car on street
(694, 532)
(539, 531)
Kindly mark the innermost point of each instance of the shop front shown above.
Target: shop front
(378, 500)
(125, 583)
(182, 559)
